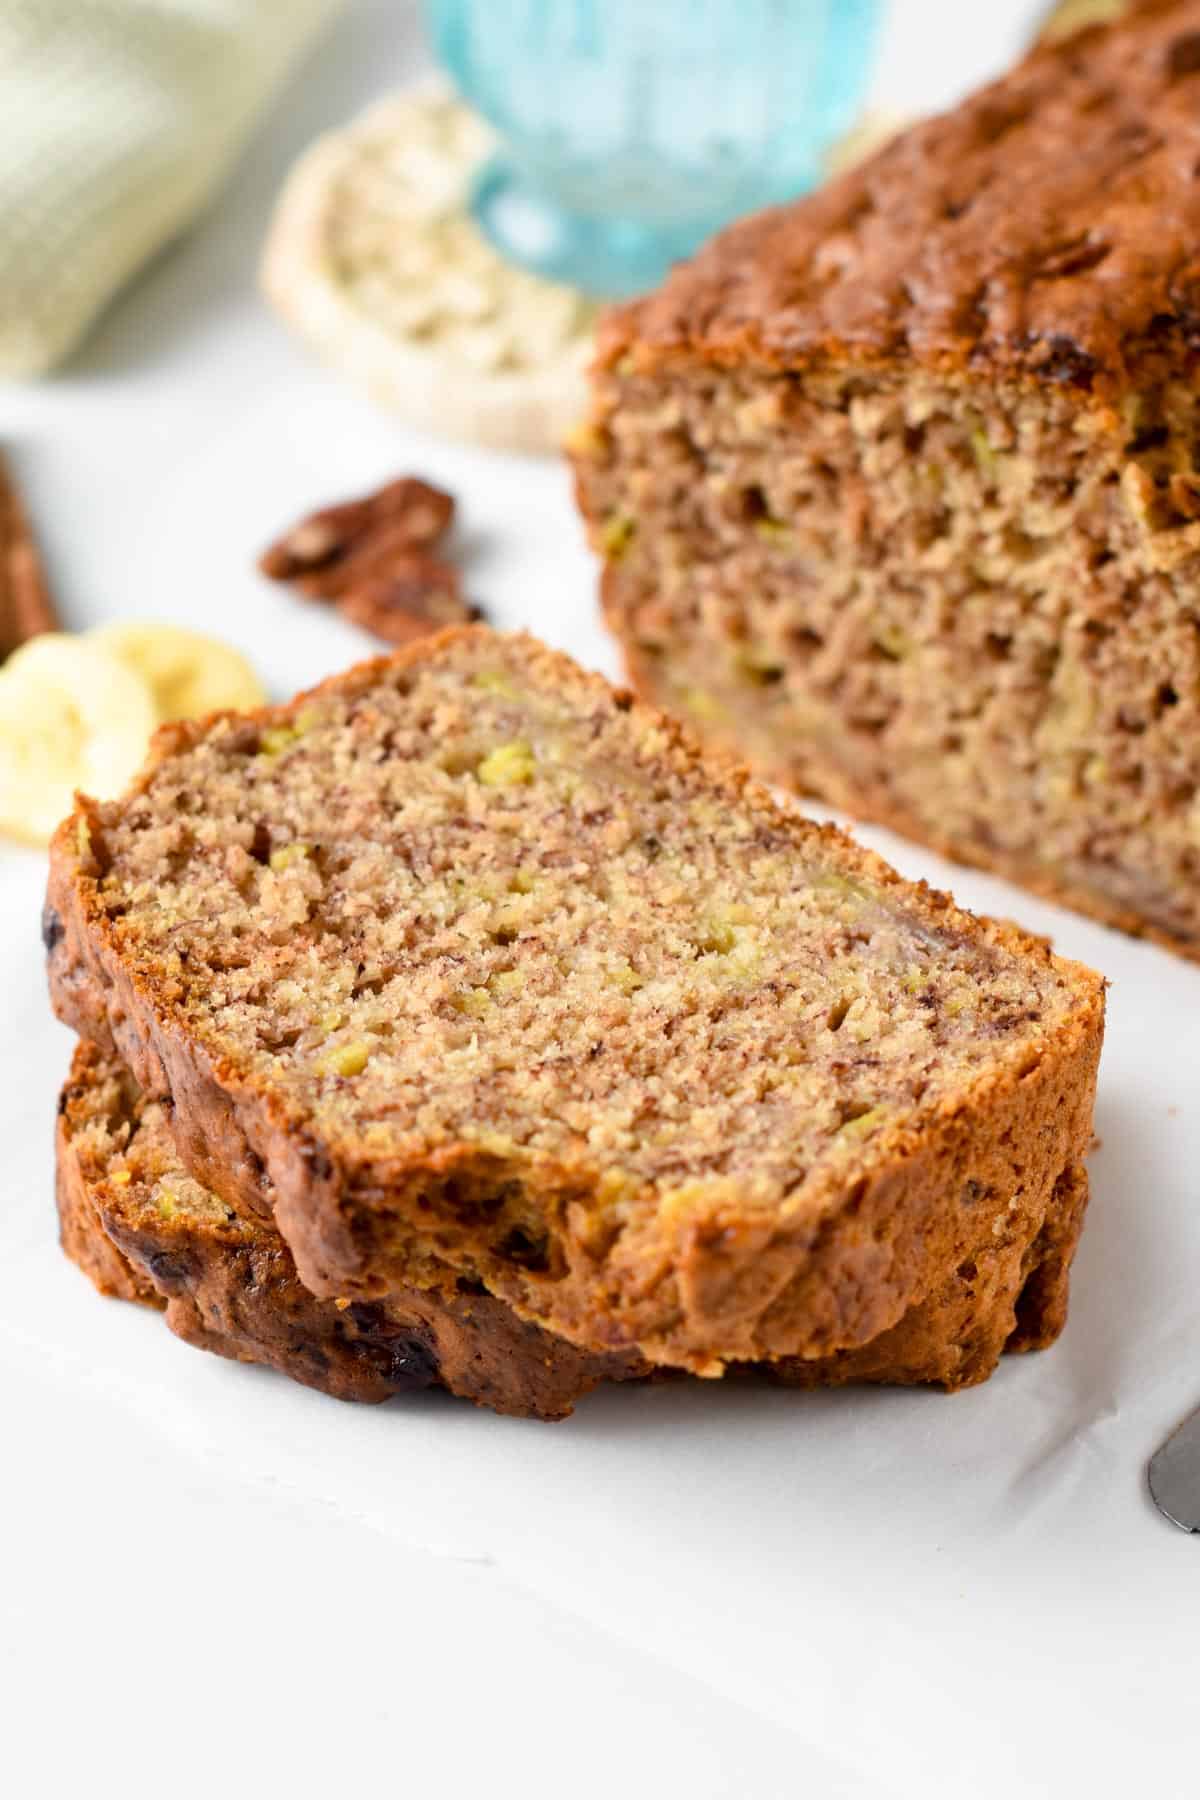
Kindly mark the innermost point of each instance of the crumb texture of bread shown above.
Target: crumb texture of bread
(142, 1229)
(467, 966)
(898, 490)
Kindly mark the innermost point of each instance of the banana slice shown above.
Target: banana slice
(188, 674)
(71, 716)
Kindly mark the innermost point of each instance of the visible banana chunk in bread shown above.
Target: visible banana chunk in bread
(142, 1229)
(898, 489)
(465, 965)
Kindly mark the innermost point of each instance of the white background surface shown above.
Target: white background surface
(216, 1582)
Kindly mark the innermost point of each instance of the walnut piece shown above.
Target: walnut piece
(26, 608)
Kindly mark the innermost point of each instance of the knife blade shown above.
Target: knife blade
(1174, 1475)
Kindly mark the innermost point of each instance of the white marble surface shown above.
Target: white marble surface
(216, 1582)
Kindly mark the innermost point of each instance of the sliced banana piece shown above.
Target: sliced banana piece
(71, 716)
(187, 673)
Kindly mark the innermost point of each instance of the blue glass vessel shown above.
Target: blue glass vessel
(633, 129)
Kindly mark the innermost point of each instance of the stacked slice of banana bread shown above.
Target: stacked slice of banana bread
(898, 488)
(144, 1230)
(468, 1006)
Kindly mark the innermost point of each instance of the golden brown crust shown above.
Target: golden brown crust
(228, 1285)
(1046, 228)
(82, 1236)
(696, 1284)
(1006, 1293)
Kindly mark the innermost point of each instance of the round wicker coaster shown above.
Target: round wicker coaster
(373, 258)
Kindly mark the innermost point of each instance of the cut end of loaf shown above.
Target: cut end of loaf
(898, 490)
(960, 608)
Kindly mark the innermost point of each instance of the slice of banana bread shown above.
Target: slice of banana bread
(142, 1229)
(465, 965)
(898, 487)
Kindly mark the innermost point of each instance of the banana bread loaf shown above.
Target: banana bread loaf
(898, 487)
(142, 1229)
(464, 965)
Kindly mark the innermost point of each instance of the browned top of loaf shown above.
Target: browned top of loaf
(1048, 226)
(471, 896)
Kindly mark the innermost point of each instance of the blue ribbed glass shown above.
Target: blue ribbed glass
(632, 129)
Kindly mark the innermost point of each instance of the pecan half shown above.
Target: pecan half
(25, 604)
(372, 558)
(329, 550)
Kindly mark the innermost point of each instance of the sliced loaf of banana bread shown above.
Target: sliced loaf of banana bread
(143, 1229)
(465, 965)
(898, 488)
